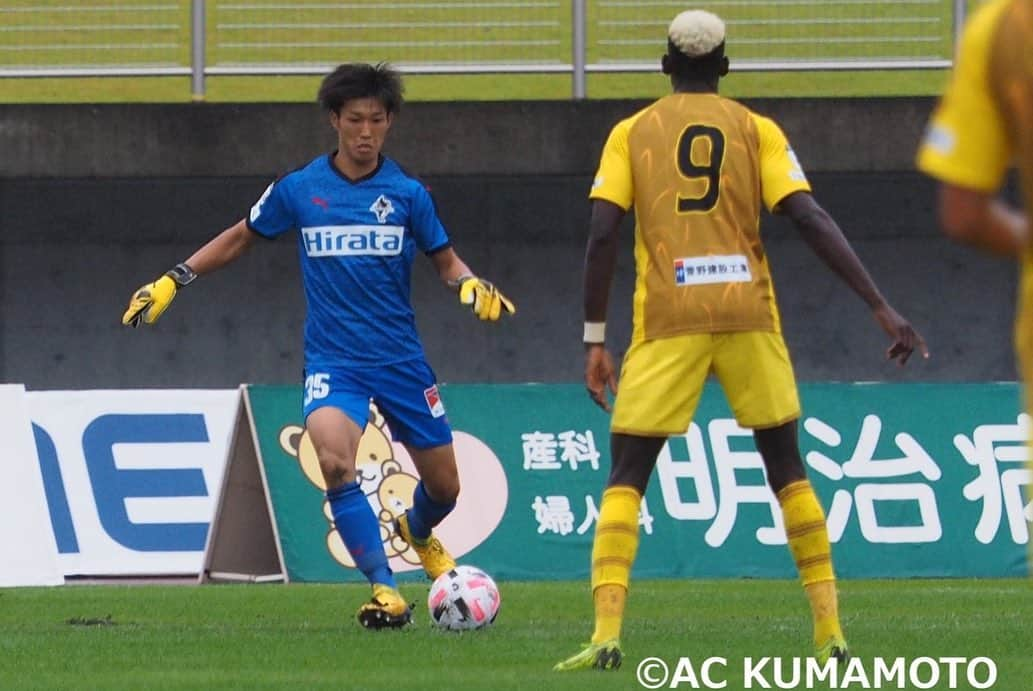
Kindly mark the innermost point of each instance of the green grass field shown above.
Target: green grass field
(41, 33)
(306, 637)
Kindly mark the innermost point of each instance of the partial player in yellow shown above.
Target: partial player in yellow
(696, 167)
(983, 124)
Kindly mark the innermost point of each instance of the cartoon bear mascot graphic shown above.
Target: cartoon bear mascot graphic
(388, 478)
(387, 487)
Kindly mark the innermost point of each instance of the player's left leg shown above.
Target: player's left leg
(757, 376)
(614, 548)
(660, 385)
(434, 498)
(408, 396)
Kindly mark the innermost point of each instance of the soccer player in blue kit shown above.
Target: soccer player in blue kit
(360, 221)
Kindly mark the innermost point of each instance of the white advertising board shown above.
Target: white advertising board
(131, 476)
(26, 539)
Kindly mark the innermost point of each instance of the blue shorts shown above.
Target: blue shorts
(406, 393)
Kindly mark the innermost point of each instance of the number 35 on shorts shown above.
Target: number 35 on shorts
(316, 386)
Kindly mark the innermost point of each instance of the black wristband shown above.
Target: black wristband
(182, 274)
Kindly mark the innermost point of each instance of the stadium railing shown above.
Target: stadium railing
(208, 38)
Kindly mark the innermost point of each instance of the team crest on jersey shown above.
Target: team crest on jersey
(437, 407)
(382, 208)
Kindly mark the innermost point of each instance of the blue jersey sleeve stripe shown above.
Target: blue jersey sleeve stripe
(256, 231)
(439, 248)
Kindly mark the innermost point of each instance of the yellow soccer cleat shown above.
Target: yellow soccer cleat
(435, 558)
(833, 648)
(605, 655)
(386, 610)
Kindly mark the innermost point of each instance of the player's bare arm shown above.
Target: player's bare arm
(823, 235)
(982, 220)
(483, 297)
(222, 249)
(600, 265)
(449, 266)
(152, 299)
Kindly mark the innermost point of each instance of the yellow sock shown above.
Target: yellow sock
(613, 553)
(809, 543)
(609, 611)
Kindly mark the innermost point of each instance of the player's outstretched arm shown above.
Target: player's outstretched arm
(825, 238)
(151, 300)
(600, 265)
(482, 296)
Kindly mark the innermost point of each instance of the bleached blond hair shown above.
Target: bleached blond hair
(696, 32)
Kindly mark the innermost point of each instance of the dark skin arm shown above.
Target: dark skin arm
(600, 265)
(982, 220)
(823, 235)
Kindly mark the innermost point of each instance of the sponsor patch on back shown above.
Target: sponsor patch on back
(726, 268)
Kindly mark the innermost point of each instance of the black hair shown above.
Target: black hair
(708, 67)
(362, 80)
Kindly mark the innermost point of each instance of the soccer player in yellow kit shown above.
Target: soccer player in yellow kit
(696, 167)
(984, 123)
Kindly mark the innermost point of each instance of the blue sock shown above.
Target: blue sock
(426, 513)
(360, 531)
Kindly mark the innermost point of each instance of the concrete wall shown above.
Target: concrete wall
(97, 200)
(523, 138)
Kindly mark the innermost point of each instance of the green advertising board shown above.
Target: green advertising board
(917, 480)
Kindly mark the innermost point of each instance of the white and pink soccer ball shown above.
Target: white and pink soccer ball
(463, 599)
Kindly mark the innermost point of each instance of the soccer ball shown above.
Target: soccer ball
(463, 599)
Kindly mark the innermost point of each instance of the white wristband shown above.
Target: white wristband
(456, 282)
(595, 332)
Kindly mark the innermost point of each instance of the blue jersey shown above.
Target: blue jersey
(357, 240)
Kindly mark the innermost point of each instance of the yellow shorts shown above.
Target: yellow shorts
(661, 381)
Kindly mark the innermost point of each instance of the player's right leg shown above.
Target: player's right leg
(333, 423)
(660, 385)
(807, 534)
(757, 377)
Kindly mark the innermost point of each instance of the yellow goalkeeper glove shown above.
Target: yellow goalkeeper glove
(150, 301)
(484, 298)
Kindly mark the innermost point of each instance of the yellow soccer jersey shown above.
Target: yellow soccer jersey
(966, 143)
(696, 168)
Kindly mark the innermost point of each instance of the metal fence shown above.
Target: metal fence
(202, 38)
(44, 38)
